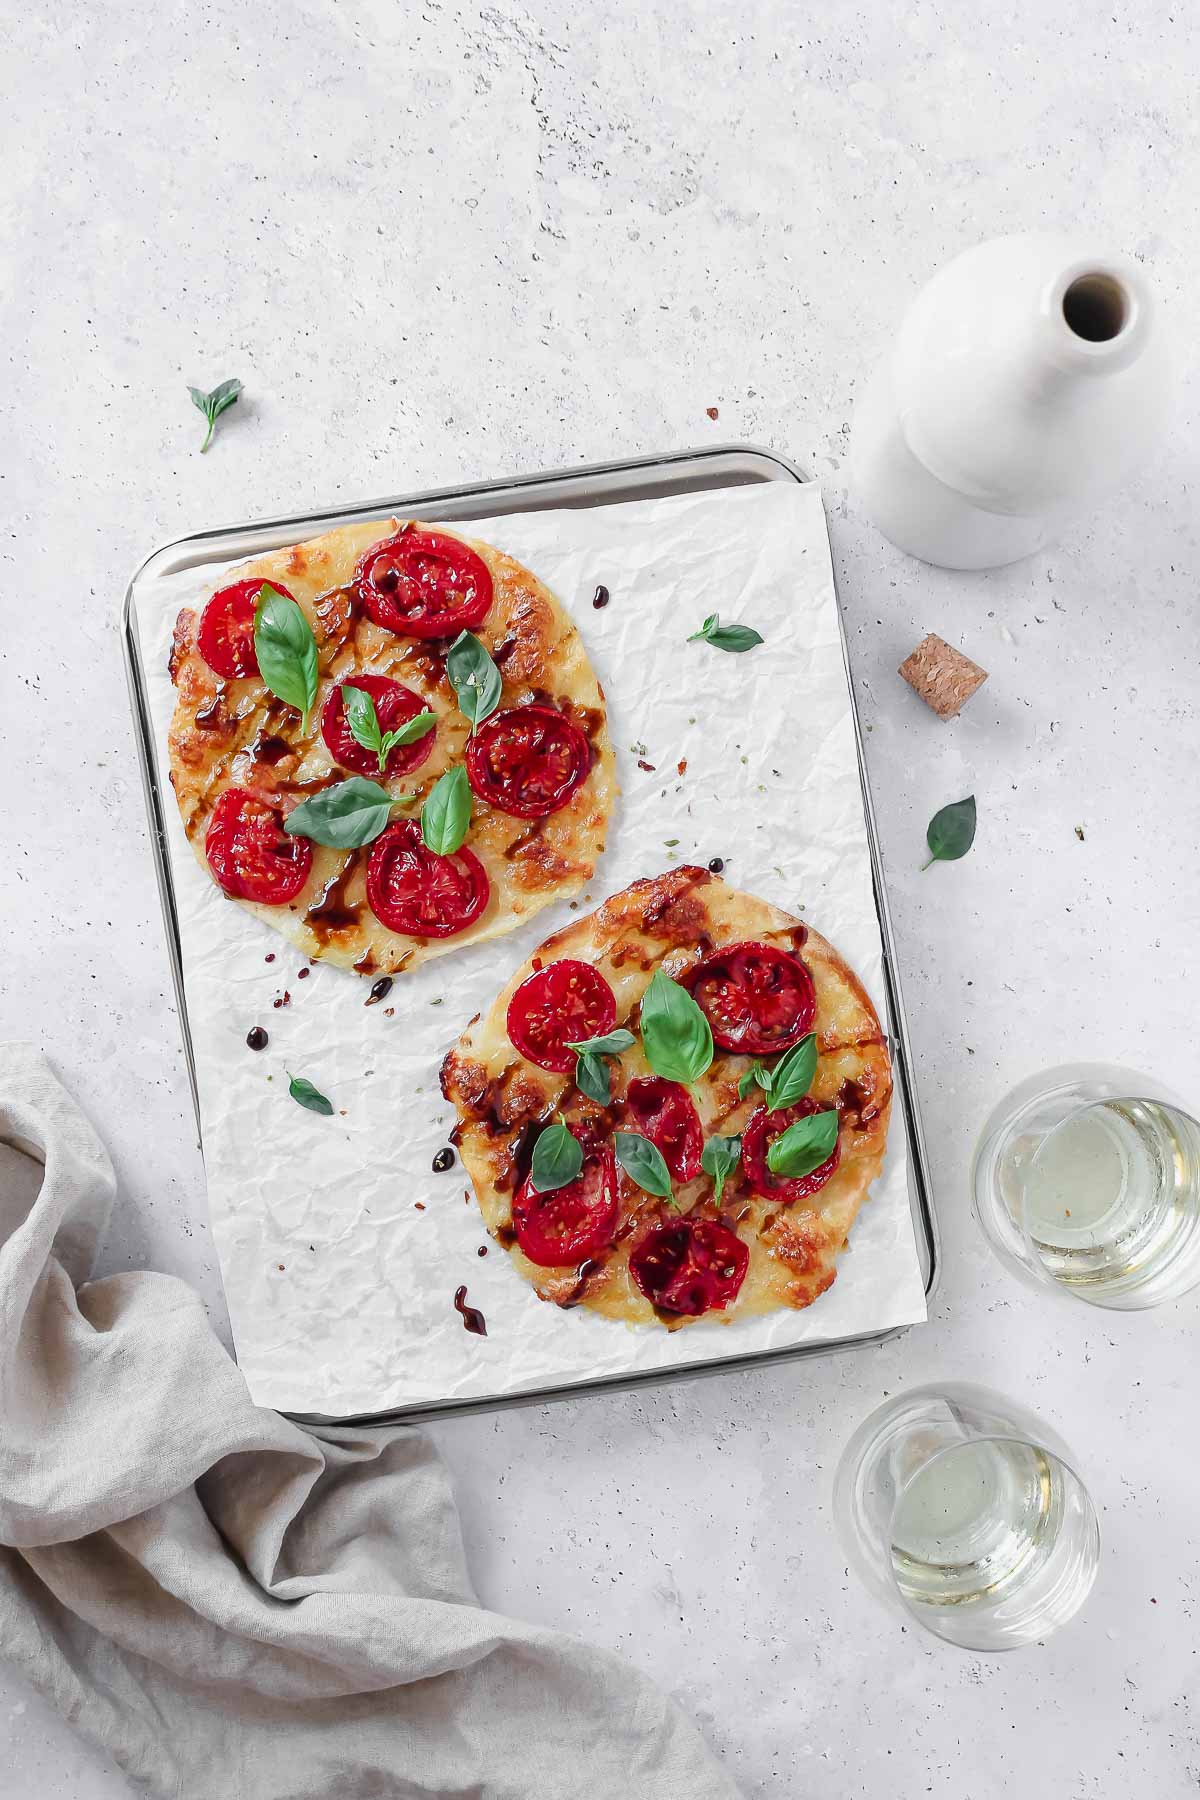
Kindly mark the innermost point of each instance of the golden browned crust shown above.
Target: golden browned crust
(235, 733)
(672, 921)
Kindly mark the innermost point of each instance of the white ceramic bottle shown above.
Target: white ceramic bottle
(1027, 379)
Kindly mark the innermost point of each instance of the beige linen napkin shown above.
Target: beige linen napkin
(233, 1607)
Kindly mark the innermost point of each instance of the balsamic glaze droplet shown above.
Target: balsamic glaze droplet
(257, 1038)
(600, 597)
(716, 865)
(472, 1318)
(482, 1250)
(443, 1160)
(380, 991)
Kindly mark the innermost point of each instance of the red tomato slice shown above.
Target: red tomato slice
(412, 889)
(764, 1127)
(393, 706)
(663, 1112)
(561, 1004)
(226, 635)
(249, 852)
(573, 1222)
(528, 761)
(690, 1266)
(756, 998)
(424, 584)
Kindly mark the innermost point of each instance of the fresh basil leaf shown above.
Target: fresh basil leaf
(804, 1146)
(675, 1033)
(286, 651)
(212, 405)
(365, 729)
(351, 813)
(305, 1094)
(735, 638)
(643, 1162)
(792, 1075)
(446, 813)
(362, 718)
(557, 1159)
(592, 1078)
(591, 1068)
(755, 1076)
(474, 677)
(720, 1157)
(409, 732)
(951, 832)
(611, 1044)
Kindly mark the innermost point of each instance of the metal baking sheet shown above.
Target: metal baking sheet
(596, 485)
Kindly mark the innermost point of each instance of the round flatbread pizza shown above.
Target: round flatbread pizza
(676, 1107)
(387, 742)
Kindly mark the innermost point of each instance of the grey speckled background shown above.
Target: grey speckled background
(441, 242)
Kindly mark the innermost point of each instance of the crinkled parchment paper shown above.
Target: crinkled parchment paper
(340, 1290)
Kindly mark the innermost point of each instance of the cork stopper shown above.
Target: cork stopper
(944, 678)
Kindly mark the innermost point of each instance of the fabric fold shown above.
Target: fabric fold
(230, 1604)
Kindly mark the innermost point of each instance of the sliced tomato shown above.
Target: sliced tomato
(226, 635)
(425, 584)
(394, 705)
(663, 1112)
(574, 1222)
(561, 1004)
(250, 853)
(756, 998)
(528, 761)
(413, 890)
(764, 1127)
(690, 1266)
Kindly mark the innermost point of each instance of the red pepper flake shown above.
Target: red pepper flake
(284, 999)
(535, 964)
(643, 764)
(303, 974)
(420, 1205)
(279, 1266)
(389, 1012)
(712, 412)
(681, 766)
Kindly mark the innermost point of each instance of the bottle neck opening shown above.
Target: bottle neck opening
(1097, 307)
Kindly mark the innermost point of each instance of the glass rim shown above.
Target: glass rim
(1005, 1230)
(1061, 1457)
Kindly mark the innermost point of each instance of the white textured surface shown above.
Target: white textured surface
(339, 1289)
(455, 243)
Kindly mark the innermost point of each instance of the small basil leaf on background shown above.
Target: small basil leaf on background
(351, 813)
(557, 1159)
(212, 405)
(592, 1077)
(643, 1162)
(675, 1033)
(804, 1146)
(474, 678)
(611, 1044)
(286, 651)
(793, 1074)
(305, 1094)
(446, 813)
(735, 638)
(951, 832)
(720, 1157)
